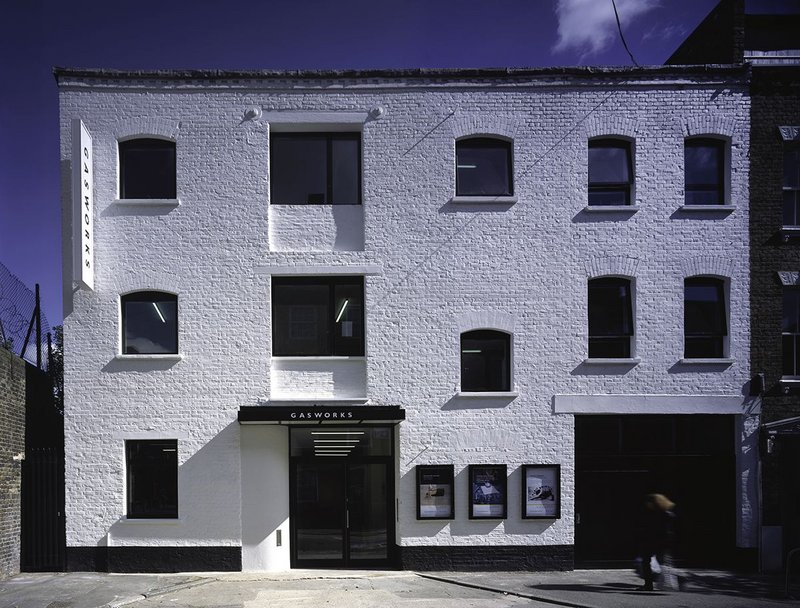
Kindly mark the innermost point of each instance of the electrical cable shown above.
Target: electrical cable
(619, 27)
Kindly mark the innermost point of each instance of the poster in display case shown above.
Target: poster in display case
(435, 498)
(541, 491)
(487, 491)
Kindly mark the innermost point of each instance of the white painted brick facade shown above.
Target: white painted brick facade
(443, 268)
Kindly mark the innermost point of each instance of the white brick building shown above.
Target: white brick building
(165, 466)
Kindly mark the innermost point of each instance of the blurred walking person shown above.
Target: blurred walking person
(656, 535)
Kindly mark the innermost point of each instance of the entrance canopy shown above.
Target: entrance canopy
(322, 414)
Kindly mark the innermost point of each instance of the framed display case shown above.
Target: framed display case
(541, 491)
(435, 497)
(488, 496)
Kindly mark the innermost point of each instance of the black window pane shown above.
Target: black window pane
(791, 167)
(147, 168)
(790, 344)
(609, 164)
(483, 168)
(791, 311)
(298, 169)
(790, 327)
(349, 320)
(301, 319)
(149, 323)
(610, 307)
(704, 308)
(703, 197)
(609, 348)
(315, 168)
(152, 478)
(791, 207)
(609, 196)
(703, 166)
(318, 316)
(701, 347)
(485, 361)
(345, 171)
(610, 318)
(705, 324)
(610, 174)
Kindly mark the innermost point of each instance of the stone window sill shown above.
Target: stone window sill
(484, 200)
(709, 208)
(148, 202)
(610, 361)
(317, 358)
(144, 357)
(611, 209)
(710, 361)
(485, 394)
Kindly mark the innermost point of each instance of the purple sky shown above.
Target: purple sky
(272, 34)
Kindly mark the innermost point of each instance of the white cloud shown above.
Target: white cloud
(590, 27)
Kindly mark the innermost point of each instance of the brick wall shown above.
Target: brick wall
(436, 264)
(12, 443)
(775, 103)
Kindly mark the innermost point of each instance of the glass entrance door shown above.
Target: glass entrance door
(341, 502)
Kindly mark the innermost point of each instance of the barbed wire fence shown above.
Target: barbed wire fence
(24, 329)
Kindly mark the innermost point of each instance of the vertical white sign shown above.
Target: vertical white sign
(83, 202)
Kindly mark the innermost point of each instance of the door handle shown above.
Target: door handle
(347, 518)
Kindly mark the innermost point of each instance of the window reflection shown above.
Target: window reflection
(705, 324)
(791, 186)
(704, 160)
(610, 318)
(483, 167)
(485, 361)
(149, 323)
(790, 331)
(610, 172)
(315, 169)
(147, 168)
(152, 476)
(318, 316)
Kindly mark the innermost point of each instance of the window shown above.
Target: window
(610, 318)
(485, 361)
(315, 169)
(149, 323)
(790, 331)
(147, 168)
(610, 172)
(483, 167)
(704, 318)
(318, 316)
(704, 166)
(791, 186)
(152, 478)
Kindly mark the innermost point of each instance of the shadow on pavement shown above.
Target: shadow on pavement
(703, 584)
(618, 588)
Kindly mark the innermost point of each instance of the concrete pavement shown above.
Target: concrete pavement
(387, 589)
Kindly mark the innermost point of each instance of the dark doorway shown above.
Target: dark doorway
(342, 497)
(620, 459)
(43, 536)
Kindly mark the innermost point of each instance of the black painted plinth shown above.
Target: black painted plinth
(488, 558)
(154, 559)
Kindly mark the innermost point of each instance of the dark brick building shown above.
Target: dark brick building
(12, 447)
(738, 31)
